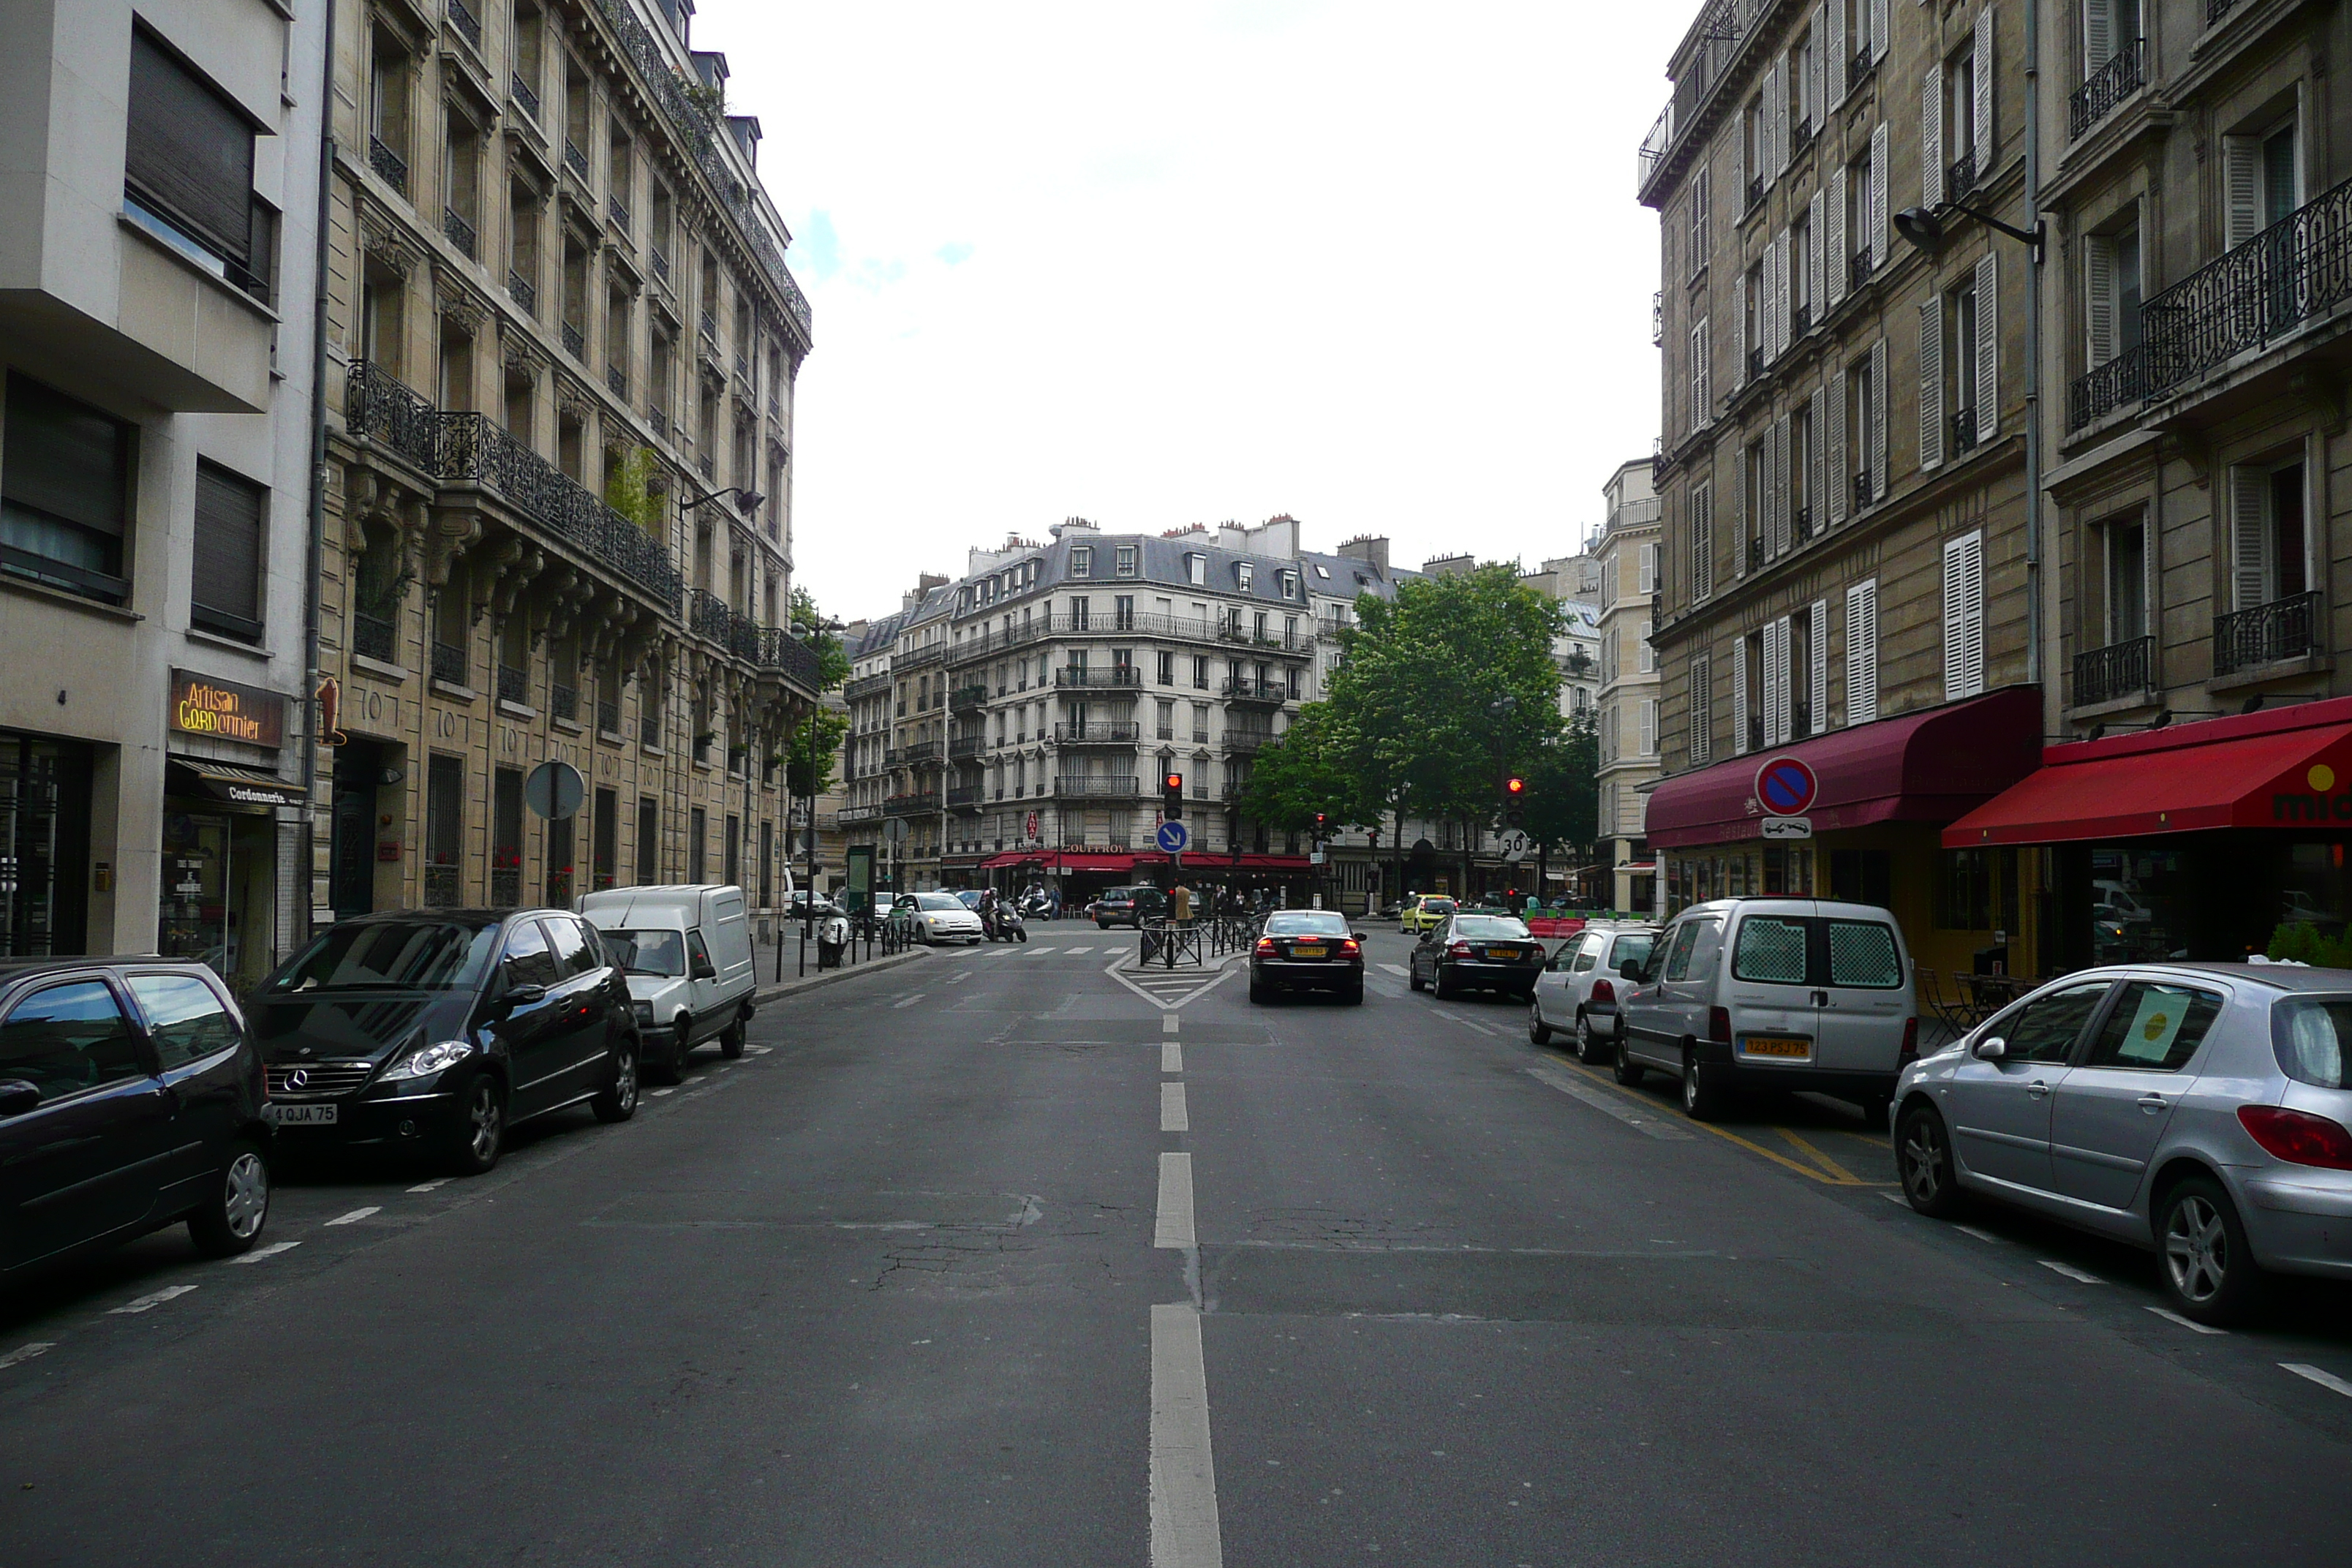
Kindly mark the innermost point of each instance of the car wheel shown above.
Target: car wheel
(1412, 976)
(619, 1100)
(1539, 1031)
(1588, 1043)
(1257, 992)
(237, 1208)
(1625, 1069)
(1923, 1159)
(2209, 1270)
(1446, 988)
(1703, 1096)
(731, 1042)
(480, 1134)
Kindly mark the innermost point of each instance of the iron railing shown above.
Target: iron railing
(1097, 734)
(2120, 669)
(389, 165)
(520, 92)
(469, 26)
(617, 211)
(1961, 176)
(520, 290)
(1857, 273)
(966, 746)
(2267, 633)
(371, 635)
(616, 380)
(1098, 679)
(475, 450)
(920, 804)
(659, 419)
(514, 685)
(449, 662)
(649, 730)
(2121, 380)
(377, 406)
(459, 232)
(1098, 787)
(2217, 9)
(658, 259)
(2125, 73)
(440, 885)
(920, 751)
(575, 341)
(967, 697)
(1244, 689)
(1964, 431)
(608, 715)
(1244, 739)
(574, 158)
(1866, 489)
(965, 797)
(563, 702)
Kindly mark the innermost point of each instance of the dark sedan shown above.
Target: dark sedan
(1308, 949)
(130, 1100)
(433, 1031)
(1477, 952)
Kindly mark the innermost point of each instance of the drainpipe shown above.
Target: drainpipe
(2033, 671)
(309, 837)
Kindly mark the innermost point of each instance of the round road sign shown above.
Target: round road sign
(1785, 786)
(555, 790)
(1174, 837)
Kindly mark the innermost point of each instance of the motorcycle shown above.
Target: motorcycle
(1036, 906)
(1004, 924)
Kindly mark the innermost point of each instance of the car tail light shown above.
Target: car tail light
(1718, 1025)
(1350, 945)
(1910, 1041)
(1265, 944)
(1459, 950)
(1603, 992)
(2297, 1136)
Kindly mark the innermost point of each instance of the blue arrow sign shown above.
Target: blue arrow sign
(1175, 837)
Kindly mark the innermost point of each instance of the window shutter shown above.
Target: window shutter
(64, 458)
(1702, 399)
(1776, 460)
(1817, 515)
(1878, 197)
(2098, 35)
(1840, 256)
(2250, 557)
(1983, 106)
(1877, 30)
(1775, 682)
(1783, 310)
(226, 593)
(1841, 476)
(1987, 347)
(1972, 646)
(1931, 136)
(1776, 298)
(1702, 709)
(1702, 541)
(1649, 726)
(188, 152)
(1740, 697)
(1830, 30)
(1776, 111)
(1817, 678)
(1815, 276)
(1816, 57)
(1649, 569)
(1963, 616)
(1878, 420)
(2099, 297)
(1740, 316)
(2242, 187)
(1931, 382)
(1862, 653)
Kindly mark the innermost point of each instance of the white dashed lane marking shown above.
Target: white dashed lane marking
(911, 1000)
(272, 1251)
(1173, 1116)
(1171, 1056)
(2070, 1271)
(356, 1214)
(1168, 1022)
(2327, 1380)
(1173, 1227)
(659, 1092)
(1074, 952)
(1394, 968)
(1184, 1528)
(960, 977)
(428, 1186)
(26, 1353)
(2191, 1324)
(148, 1303)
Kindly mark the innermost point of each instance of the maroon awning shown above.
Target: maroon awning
(1934, 765)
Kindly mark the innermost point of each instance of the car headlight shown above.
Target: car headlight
(644, 1010)
(427, 1061)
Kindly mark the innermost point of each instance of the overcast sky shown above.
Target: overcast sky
(1376, 265)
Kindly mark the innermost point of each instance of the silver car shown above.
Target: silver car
(1578, 989)
(2197, 1110)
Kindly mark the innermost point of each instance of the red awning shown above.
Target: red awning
(2289, 768)
(1012, 858)
(1929, 766)
(1068, 864)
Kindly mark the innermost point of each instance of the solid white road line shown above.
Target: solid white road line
(1172, 1115)
(911, 1000)
(1168, 1024)
(1473, 1023)
(2191, 1324)
(1173, 1227)
(26, 1353)
(356, 1214)
(1394, 968)
(2070, 1271)
(1633, 1113)
(659, 1092)
(149, 1304)
(272, 1251)
(1184, 1530)
(1171, 1056)
(428, 1186)
(2324, 1378)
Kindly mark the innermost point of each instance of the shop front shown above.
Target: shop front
(1859, 813)
(223, 844)
(2195, 841)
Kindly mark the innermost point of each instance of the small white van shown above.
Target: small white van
(687, 954)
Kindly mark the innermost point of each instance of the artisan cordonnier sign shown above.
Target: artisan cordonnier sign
(202, 705)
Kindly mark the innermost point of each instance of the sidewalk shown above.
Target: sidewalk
(776, 992)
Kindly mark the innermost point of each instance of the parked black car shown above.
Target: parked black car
(130, 1100)
(433, 1031)
(1477, 952)
(1308, 949)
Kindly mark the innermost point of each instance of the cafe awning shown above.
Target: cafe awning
(1932, 766)
(210, 780)
(2288, 768)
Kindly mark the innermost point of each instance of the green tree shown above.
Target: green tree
(628, 490)
(816, 741)
(1563, 809)
(1304, 772)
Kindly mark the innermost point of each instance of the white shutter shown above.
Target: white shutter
(1777, 84)
(2098, 35)
(1817, 678)
(1983, 105)
(2242, 187)
(1963, 616)
(1987, 347)
(1739, 318)
(1768, 151)
(1878, 420)
(1816, 57)
(1702, 532)
(1732, 457)
(1931, 136)
(1815, 277)
(2099, 296)
(1931, 382)
(1836, 50)
(1648, 568)
(1841, 474)
(1776, 460)
(1775, 682)
(1878, 197)
(1840, 253)
(2250, 559)
(1649, 726)
(1702, 709)
(1739, 696)
(1878, 30)
(1818, 516)
(1702, 397)
(1862, 653)
(1780, 294)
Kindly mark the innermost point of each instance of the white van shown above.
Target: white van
(687, 954)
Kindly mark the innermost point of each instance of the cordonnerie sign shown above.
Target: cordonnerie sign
(202, 705)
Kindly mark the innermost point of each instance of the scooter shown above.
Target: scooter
(1036, 906)
(1007, 925)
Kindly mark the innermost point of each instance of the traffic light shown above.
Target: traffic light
(1171, 797)
(1318, 824)
(1515, 799)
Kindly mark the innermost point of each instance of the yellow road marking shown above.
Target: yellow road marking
(1830, 1165)
(1841, 1180)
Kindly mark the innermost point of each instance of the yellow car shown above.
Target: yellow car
(1424, 912)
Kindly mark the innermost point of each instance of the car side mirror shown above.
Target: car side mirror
(18, 1096)
(525, 994)
(1990, 1050)
(1631, 970)
(703, 968)
(1357, 934)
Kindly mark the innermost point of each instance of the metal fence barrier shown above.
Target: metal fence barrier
(1168, 943)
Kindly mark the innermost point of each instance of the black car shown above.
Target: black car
(1308, 949)
(1477, 952)
(1128, 906)
(433, 1031)
(130, 1100)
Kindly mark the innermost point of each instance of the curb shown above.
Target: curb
(777, 993)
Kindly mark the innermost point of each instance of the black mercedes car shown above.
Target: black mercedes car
(1477, 952)
(1308, 949)
(130, 1100)
(433, 1031)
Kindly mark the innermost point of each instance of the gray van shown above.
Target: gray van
(687, 953)
(1774, 992)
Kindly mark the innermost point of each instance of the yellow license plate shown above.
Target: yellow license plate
(1308, 952)
(1770, 1045)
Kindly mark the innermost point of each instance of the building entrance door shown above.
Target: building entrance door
(44, 846)
(358, 770)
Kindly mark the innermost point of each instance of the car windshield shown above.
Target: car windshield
(1489, 926)
(1437, 906)
(648, 951)
(1633, 946)
(938, 901)
(392, 956)
(1307, 924)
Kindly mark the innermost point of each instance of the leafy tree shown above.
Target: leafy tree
(1306, 772)
(815, 742)
(1563, 800)
(628, 490)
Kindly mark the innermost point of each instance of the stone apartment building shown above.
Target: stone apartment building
(1626, 557)
(1846, 574)
(158, 243)
(561, 350)
(1575, 582)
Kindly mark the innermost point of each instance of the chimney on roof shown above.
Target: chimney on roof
(1449, 565)
(1370, 548)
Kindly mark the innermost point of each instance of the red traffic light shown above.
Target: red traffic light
(1173, 782)
(1516, 785)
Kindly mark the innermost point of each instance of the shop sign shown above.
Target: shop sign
(202, 705)
(1788, 828)
(2320, 806)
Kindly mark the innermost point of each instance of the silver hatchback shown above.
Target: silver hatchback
(1578, 989)
(2201, 1110)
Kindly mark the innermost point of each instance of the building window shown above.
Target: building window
(698, 844)
(1078, 608)
(1243, 572)
(2125, 547)
(1698, 195)
(2112, 282)
(444, 830)
(226, 594)
(1165, 674)
(2270, 550)
(1964, 608)
(1127, 560)
(1290, 584)
(1702, 404)
(2263, 180)
(1701, 708)
(1196, 570)
(64, 483)
(188, 169)
(1200, 672)
(1081, 560)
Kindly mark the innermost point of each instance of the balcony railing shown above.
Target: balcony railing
(574, 158)
(967, 746)
(520, 92)
(1864, 491)
(474, 450)
(1756, 556)
(660, 420)
(1657, 317)
(575, 341)
(514, 685)
(520, 290)
(866, 686)
(1801, 522)
(1756, 361)
(608, 715)
(1097, 734)
(563, 702)
(618, 380)
(964, 697)
(469, 26)
(2217, 9)
(1115, 677)
(648, 729)
(965, 797)
(658, 259)
(2121, 670)
(389, 166)
(617, 211)
(2120, 380)
(1964, 431)
(371, 635)
(707, 466)
(708, 323)
(1243, 740)
(1961, 176)
(920, 804)
(2125, 73)
(1243, 688)
(1857, 273)
(449, 662)
(459, 232)
(1754, 191)
(1097, 787)
(919, 752)
(2267, 633)
(1801, 319)
(379, 407)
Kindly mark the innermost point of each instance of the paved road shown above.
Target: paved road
(997, 1257)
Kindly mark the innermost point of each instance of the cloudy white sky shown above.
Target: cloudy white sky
(1378, 266)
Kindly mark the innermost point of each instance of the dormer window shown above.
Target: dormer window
(1290, 584)
(1243, 572)
(1081, 560)
(1127, 560)
(1196, 570)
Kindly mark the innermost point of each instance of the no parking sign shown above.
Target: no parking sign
(1785, 786)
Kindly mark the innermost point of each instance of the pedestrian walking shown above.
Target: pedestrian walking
(1179, 903)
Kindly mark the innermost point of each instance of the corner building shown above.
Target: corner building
(562, 344)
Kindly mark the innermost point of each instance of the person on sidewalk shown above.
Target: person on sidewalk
(1180, 904)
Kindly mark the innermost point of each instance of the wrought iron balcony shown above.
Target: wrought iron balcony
(371, 635)
(1754, 190)
(617, 380)
(467, 25)
(2120, 669)
(1864, 491)
(1097, 787)
(389, 165)
(514, 685)
(1097, 734)
(1801, 522)
(1756, 556)
(922, 803)
(708, 323)
(449, 662)
(1858, 266)
(660, 420)
(2267, 633)
(658, 259)
(965, 746)
(377, 406)
(563, 702)
(617, 212)
(966, 797)
(648, 729)
(459, 232)
(1800, 320)
(1115, 677)
(2121, 380)
(574, 158)
(1964, 431)
(475, 450)
(2217, 9)
(707, 466)
(2125, 73)
(1800, 136)
(520, 290)
(919, 752)
(1246, 688)
(858, 815)
(1756, 361)
(1961, 176)
(965, 698)
(575, 341)
(608, 715)
(1861, 66)
(520, 92)
(1243, 740)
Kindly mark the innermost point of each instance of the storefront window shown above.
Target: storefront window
(44, 846)
(217, 899)
(2139, 904)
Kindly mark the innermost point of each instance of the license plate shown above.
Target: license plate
(1775, 1046)
(1507, 952)
(1304, 952)
(301, 1115)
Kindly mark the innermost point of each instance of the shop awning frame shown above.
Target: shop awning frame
(238, 785)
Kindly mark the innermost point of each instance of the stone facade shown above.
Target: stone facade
(1626, 554)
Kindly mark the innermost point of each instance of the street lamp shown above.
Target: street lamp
(749, 499)
(1924, 227)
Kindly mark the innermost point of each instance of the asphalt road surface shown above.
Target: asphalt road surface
(999, 1258)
